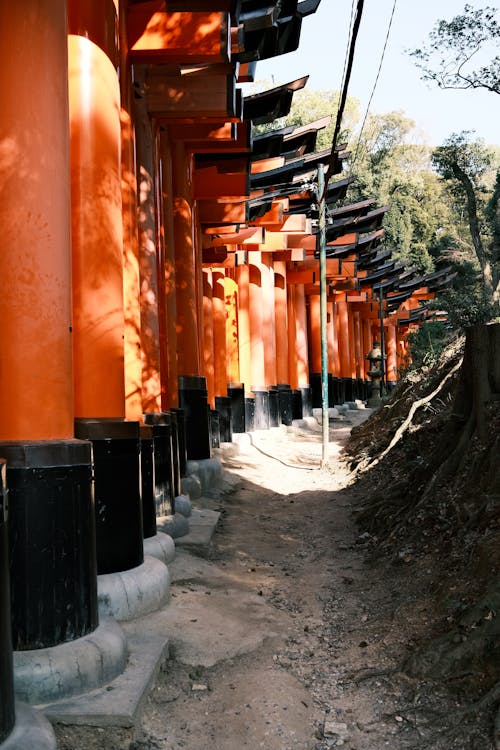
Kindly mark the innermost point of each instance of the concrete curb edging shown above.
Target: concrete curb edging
(71, 668)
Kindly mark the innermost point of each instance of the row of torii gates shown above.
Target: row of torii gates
(158, 257)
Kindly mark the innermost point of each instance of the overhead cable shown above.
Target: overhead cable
(343, 93)
(376, 82)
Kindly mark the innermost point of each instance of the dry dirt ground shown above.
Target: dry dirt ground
(291, 636)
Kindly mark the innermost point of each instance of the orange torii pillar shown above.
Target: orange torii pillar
(148, 260)
(344, 351)
(97, 244)
(335, 361)
(280, 316)
(208, 335)
(257, 348)
(237, 342)
(351, 382)
(222, 401)
(269, 319)
(315, 349)
(392, 361)
(50, 508)
(192, 386)
(367, 343)
(302, 350)
(358, 356)
(168, 310)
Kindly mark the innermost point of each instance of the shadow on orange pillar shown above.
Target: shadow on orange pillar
(256, 318)
(315, 333)
(232, 306)
(219, 322)
(168, 332)
(268, 319)
(336, 358)
(97, 230)
(208, 334)
(301, 340)
(280, 318)
(243, 278)
(293, 373)
(36, 381)
(188, 353)
(392, 362)
(344, 347)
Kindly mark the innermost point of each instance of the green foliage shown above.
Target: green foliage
(427, 343)
(468, 306)
(460, 151)
(449, 57)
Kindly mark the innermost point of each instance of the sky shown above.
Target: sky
(436, 112)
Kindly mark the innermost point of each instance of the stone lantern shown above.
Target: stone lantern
(376, 371)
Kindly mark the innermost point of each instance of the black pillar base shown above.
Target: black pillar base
(52, 542)
(307, 407)
(236, 392)
(7, 709)
(261, 416)
(285, 402)
(163, 461)
(250, 414)
(119, 535)
(348, 384)
(179, 418)
(214, 428)
(193, 398)
(297, 412)
(274, 408)
(223, 406)
(147, 482)
(315, 381)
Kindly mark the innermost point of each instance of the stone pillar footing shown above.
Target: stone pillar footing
(133, 593)
(50, 674)
(32, 731)
(161, 546)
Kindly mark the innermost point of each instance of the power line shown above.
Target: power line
(345, 86)
(376, 82)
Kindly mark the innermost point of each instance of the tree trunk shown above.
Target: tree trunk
(479, 384)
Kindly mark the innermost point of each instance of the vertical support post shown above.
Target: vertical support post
(323, 315)
(382, 339)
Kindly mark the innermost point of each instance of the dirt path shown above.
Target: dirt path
(286, 639)
(290, 637)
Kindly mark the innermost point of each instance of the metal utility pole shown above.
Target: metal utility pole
(322, 315)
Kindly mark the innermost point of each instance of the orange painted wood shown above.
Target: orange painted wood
(352, 344)
(264, 165)
(209, 183)
(232, 338)
(292, 378)
(36, 379)
(208, 336)
(367, 342)
(243, 279)
(156, 36)
(131, 280)
(315, 332)
(305, 241)
(330, 330)
(169, 371)
(335, 363)
(213, 210)
(149, 296)
(343, 335)
(248, 235)
(219, 324)
(256, 319)
(198, 271)
(391, 349)
(272, 217)
(203, 92)
(280, 315)
(358, 346)
(268, 319)
(188, 359)
(97, 231)
(301, 339)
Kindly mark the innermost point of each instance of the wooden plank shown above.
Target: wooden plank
(155, 35)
